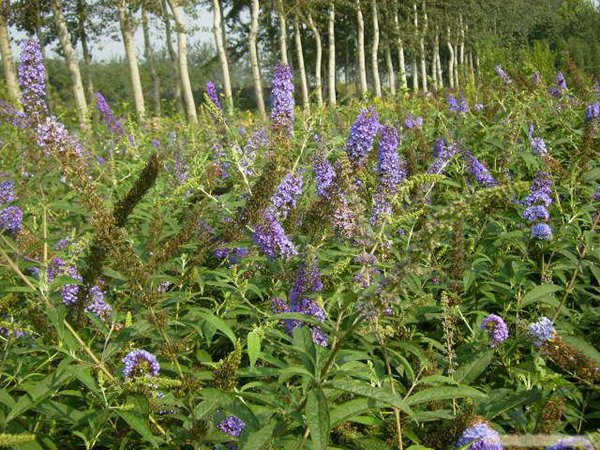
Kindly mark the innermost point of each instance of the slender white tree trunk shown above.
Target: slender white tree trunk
(184, 74)
(149, 56)
(8, 64)
(362, 66)
(422, 46)
(127, 31)
(471, 68)
(254, 60)
(375, 49)
(451, 60)
(438, 62)
(331, 65)
(282, 33)
(434, 80)
(390, 68)
(83, 39)
(400, 48)
(456, 79)
(301, 68)
(220, 44)
(415, 69)
(318, 60)
(462, 49)
(71, 60)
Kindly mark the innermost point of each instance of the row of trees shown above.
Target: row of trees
(375, 45)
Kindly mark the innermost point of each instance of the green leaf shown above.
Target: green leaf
(469, 371)
(366, 390)
(219, 324)
(140, 425)
(345, 411)
(503, 400)
(253, 342)
(259, 440)
(317, 418)
(538, 293)
(443, 393)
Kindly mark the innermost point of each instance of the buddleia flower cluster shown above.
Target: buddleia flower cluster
(98, 305)
(140, 363)
(324, 174)
(592, 112)
(391, 171)
(572, 443)
(247, 155)
(32, 79)
(232, 425)
(479, 171)
(537, 202)
(112, 123)
(538, 145)
(70, 291)
(282, 114)
(480, 436)
(444, 153)
(11, 216)
(308, 281)
(496, 329)
(411, 121)
(458, 105)
(287, 195)
(270, 237)
(502, 74)
(362, 136)
(213, 95)
(542, 331)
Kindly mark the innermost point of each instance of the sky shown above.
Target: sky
(105, 47)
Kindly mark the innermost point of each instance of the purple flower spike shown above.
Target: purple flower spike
(32, 79)
(211, 91)
(232, 425)
(561, 82)
(362, 136)
(480, 436)
(271, 238)
(286, 197)
(541, 231)
(592, 112)
(111, 121)
(496, 329)
(282, 114)
(140, 363)
(11, 220)
(7, 192)
(542, 331)
(98, 306)
(503, 75)
(478, 171)
(535, 213)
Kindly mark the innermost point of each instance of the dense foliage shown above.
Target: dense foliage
(417, 272)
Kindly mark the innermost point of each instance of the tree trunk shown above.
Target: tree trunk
(184, 74)
(462, 49)
(451, 60)
(127, 31)
(456, 80)
(71, 60)
(390, 68)
(375, 49)
(471, 68)
(438, 62)
(318, 62)
(331, 36)
(400, 48)
(301, 68)
(434, 80)
(254, 60)
(173, 58)
(87, 56)
(10, 73)
(362, 66)
(415, 69)
(282, 33)
(422, 45)
(221, 49)
(149, 56)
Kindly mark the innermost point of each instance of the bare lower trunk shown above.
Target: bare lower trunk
(438, 62)
(400, 49)
(471, 68)
(282, 33)
(318, 61)
(136, 84)
(184, 74)
(301, 68)
(254, 60)
(422, 47)
(173, 58)
(220, 44)
(71, 60)
(362, 66)
(462, 49)
(456, 80)
(87, 56)
(8, 64)
(149, 56)
(331, 65)
(451, 61)
(415, 69)
(375, 49)
(390, 68)
(434, 80)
